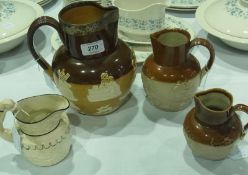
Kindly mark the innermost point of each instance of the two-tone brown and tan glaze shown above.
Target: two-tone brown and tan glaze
(96, 83)
(171, 74)
(212, 127)
(110, 77)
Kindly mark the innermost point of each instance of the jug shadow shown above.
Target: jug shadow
(109, 124)
(20, 55)
(139, 67)
(225, 166)
(231, 56)
(17, 164)
(162, 117)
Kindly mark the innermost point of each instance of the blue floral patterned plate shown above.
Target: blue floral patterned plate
(170, 22)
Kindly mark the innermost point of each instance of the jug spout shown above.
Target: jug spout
(38, 115)
(213, 106)
(111, 26)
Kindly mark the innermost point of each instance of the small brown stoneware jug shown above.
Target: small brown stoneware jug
(93, 69)
(172, 74)
(213, 127)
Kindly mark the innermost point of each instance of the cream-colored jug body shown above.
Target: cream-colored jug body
(42, 128)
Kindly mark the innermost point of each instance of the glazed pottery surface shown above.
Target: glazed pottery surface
(93, 68)
(41, 130)
(171, 74)
(213, 127)
(48, 149)
(138, 19)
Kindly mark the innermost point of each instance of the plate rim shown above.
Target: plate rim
(39, 12)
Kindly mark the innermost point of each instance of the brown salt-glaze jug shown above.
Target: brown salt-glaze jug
(172, 74)
(93, 69)
(213, 127)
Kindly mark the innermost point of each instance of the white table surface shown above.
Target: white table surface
(137, 139)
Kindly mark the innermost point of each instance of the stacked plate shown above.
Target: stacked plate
(227, 20)
(183, 5)
(15, 19)
(42, 2)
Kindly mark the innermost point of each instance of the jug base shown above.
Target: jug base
(48, 149)
(207, 151)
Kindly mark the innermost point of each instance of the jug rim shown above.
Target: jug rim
(140, 9)
(155, 35)
(61, 109)
(215, 90)
(82, 3)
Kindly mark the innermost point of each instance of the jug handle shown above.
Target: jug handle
(44, 20)
(209, 46)
(243, 108)
(5, 106)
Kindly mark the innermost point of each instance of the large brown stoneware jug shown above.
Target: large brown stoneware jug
(93, 69)
(172, 74)
(213, 127)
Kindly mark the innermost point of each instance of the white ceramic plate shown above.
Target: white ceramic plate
(15, 39)
(232, 41)
(170, 22)
(184, 4)
(12, 15)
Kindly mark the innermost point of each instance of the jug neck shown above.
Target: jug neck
(91, 35)
(41, 106)
(214, 106)
(167, 53)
